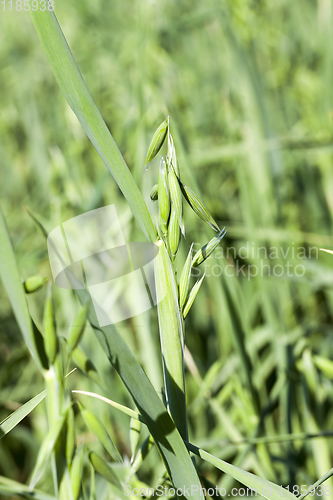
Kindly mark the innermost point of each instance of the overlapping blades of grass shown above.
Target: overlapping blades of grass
(265, 488)
(166, 436)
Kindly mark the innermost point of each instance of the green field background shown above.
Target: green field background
(248, 86)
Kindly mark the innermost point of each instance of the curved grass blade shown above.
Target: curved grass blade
(11, 488)
(15, 418)
(12, 282)
(313, 486)
(124, 409)
(192, 295)
(76, 92)
(263, 487)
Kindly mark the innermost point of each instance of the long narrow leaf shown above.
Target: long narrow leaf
(77, 94)
(15, 418)
(11, 488)
(264, 488)
(123, 409)
(11, 279)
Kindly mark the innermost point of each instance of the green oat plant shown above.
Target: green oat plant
(72, 465)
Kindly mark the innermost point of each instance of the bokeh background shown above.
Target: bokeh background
(248, 86)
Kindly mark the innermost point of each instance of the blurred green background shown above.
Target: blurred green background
(248, 86)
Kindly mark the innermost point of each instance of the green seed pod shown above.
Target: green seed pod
(192, 295)
(70, 438)
(135, 427)
(163, 196)
(77, 329)
(97, 428)
(154, 193)
(172, 155)
(34, 283)
(198, 207)
(173, 234)
(50, 336)
(176, 198)
(157, 141)
(76, 473)
(86, 366)
(184, 282)
(104, 469)
(207, 249)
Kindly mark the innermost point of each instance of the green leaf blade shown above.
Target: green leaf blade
(17, 416)
(263, 487)
(76, 92)
(11, 279)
